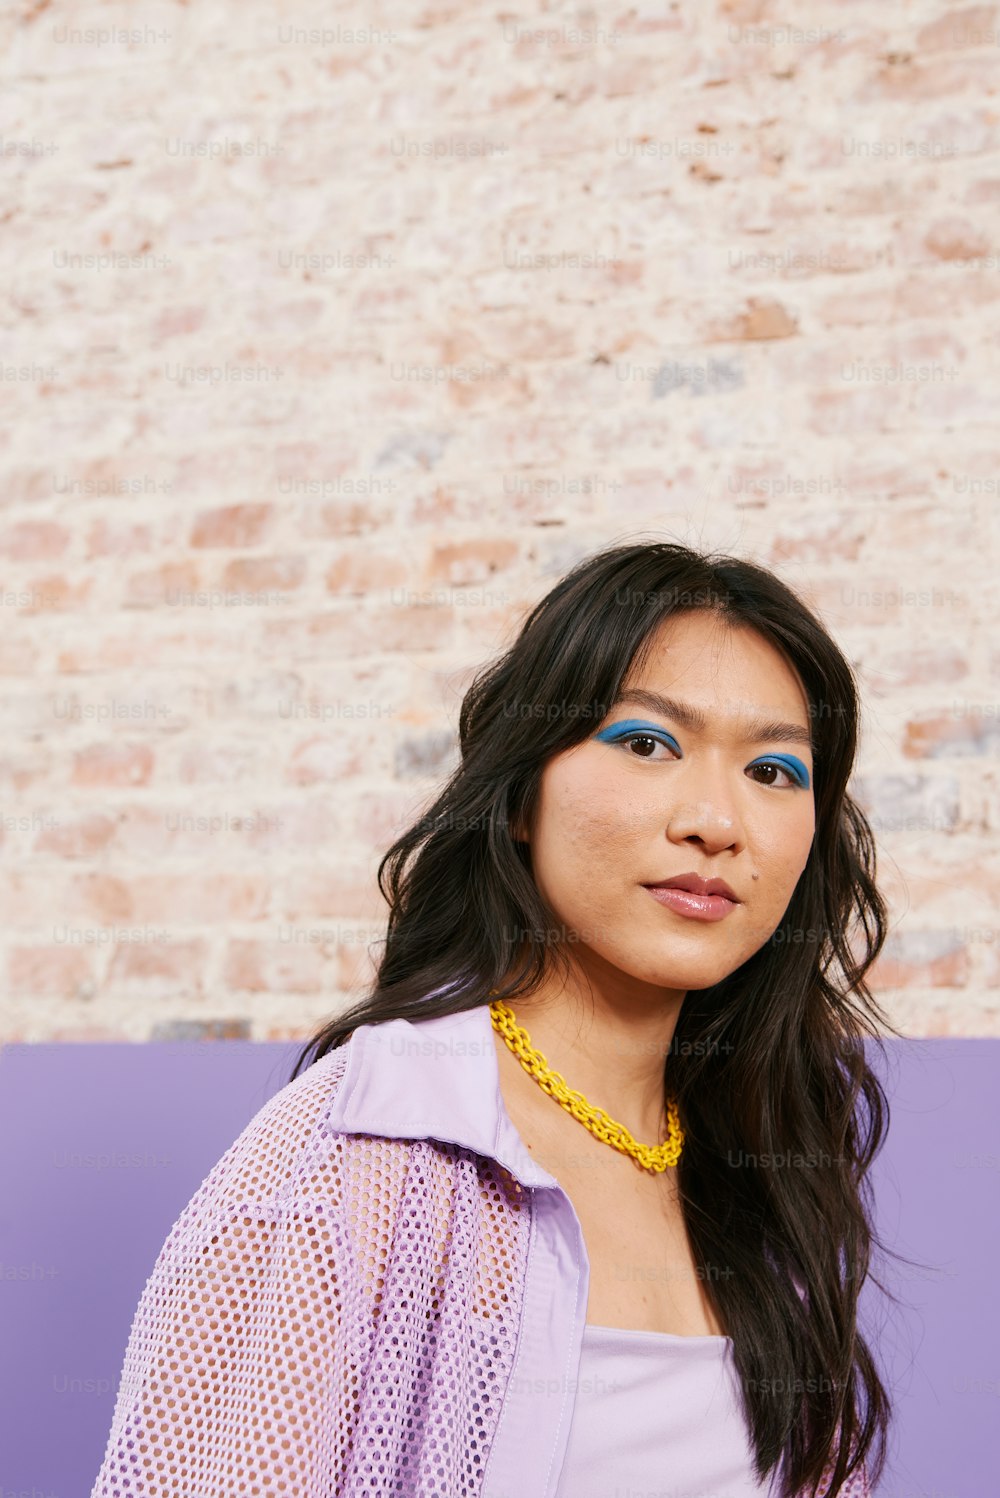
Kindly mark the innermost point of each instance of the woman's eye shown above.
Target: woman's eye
(648, 739)
(773, 764)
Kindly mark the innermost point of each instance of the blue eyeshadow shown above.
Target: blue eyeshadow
(628, 726)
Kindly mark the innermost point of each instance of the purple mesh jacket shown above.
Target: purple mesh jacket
(376, 1290)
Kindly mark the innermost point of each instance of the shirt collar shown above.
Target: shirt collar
(433, 1078)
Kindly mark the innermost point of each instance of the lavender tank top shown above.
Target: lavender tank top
(657, 1416)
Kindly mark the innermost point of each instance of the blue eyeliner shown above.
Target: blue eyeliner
(629, 726)
(633, 725)
(793, 763)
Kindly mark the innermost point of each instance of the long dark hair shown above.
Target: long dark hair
(776, 1061)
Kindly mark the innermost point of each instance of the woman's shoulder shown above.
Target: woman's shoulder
(386, 1113)
(282, 1146)
(293, 1150)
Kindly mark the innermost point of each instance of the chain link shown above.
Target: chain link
(651, 1157)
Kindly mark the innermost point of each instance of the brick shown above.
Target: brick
(157, 587)
(106, 899)
(317, 894)
(232, 525)
(956, 238)
(80, 1034)
(925, 959)
(916, 666)
(113, 764)
(360, 574)
(463, 563)
(332, 758)
(433, 753)
(347, 517)
(957, 28)
(761, 319)
(272, 967)
(219, 763)
(53, 592)
(359, 633)
(308, 459)
(818, 537)
(382, 815)
(908, 804)
(160, 967)
(18, 655)
(33, 541)
(51, 972)
(174, 320)
(197, 897)
(197, 640)
(82, 835)
(912, 80)
(259, 574)
(965, 732)
(864, 410)
(118, 538)
(177, 1031)
(894, 601)
(226, 465)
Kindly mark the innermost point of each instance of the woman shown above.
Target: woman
(574, 1202)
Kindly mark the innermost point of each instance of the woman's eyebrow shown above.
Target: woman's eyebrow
(757, 731)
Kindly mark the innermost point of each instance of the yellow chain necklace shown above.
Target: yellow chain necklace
(650, 1157)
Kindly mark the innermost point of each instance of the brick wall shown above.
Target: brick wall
(332, 339)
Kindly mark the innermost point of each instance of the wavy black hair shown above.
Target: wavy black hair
(781, 1063)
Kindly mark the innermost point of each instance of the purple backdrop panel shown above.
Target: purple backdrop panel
(937, 1194)
(101, 1147)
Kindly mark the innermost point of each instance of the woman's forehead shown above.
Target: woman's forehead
(687, 654)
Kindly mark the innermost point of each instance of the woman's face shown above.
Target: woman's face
(648, 797)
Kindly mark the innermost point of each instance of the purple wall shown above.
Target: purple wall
(101, 1146)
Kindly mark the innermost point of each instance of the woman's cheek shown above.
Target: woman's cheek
(590, 814)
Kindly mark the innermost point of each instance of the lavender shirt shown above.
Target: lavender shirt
(377, 1290)
(657, 1414)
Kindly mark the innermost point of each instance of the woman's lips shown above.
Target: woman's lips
(697, 907)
